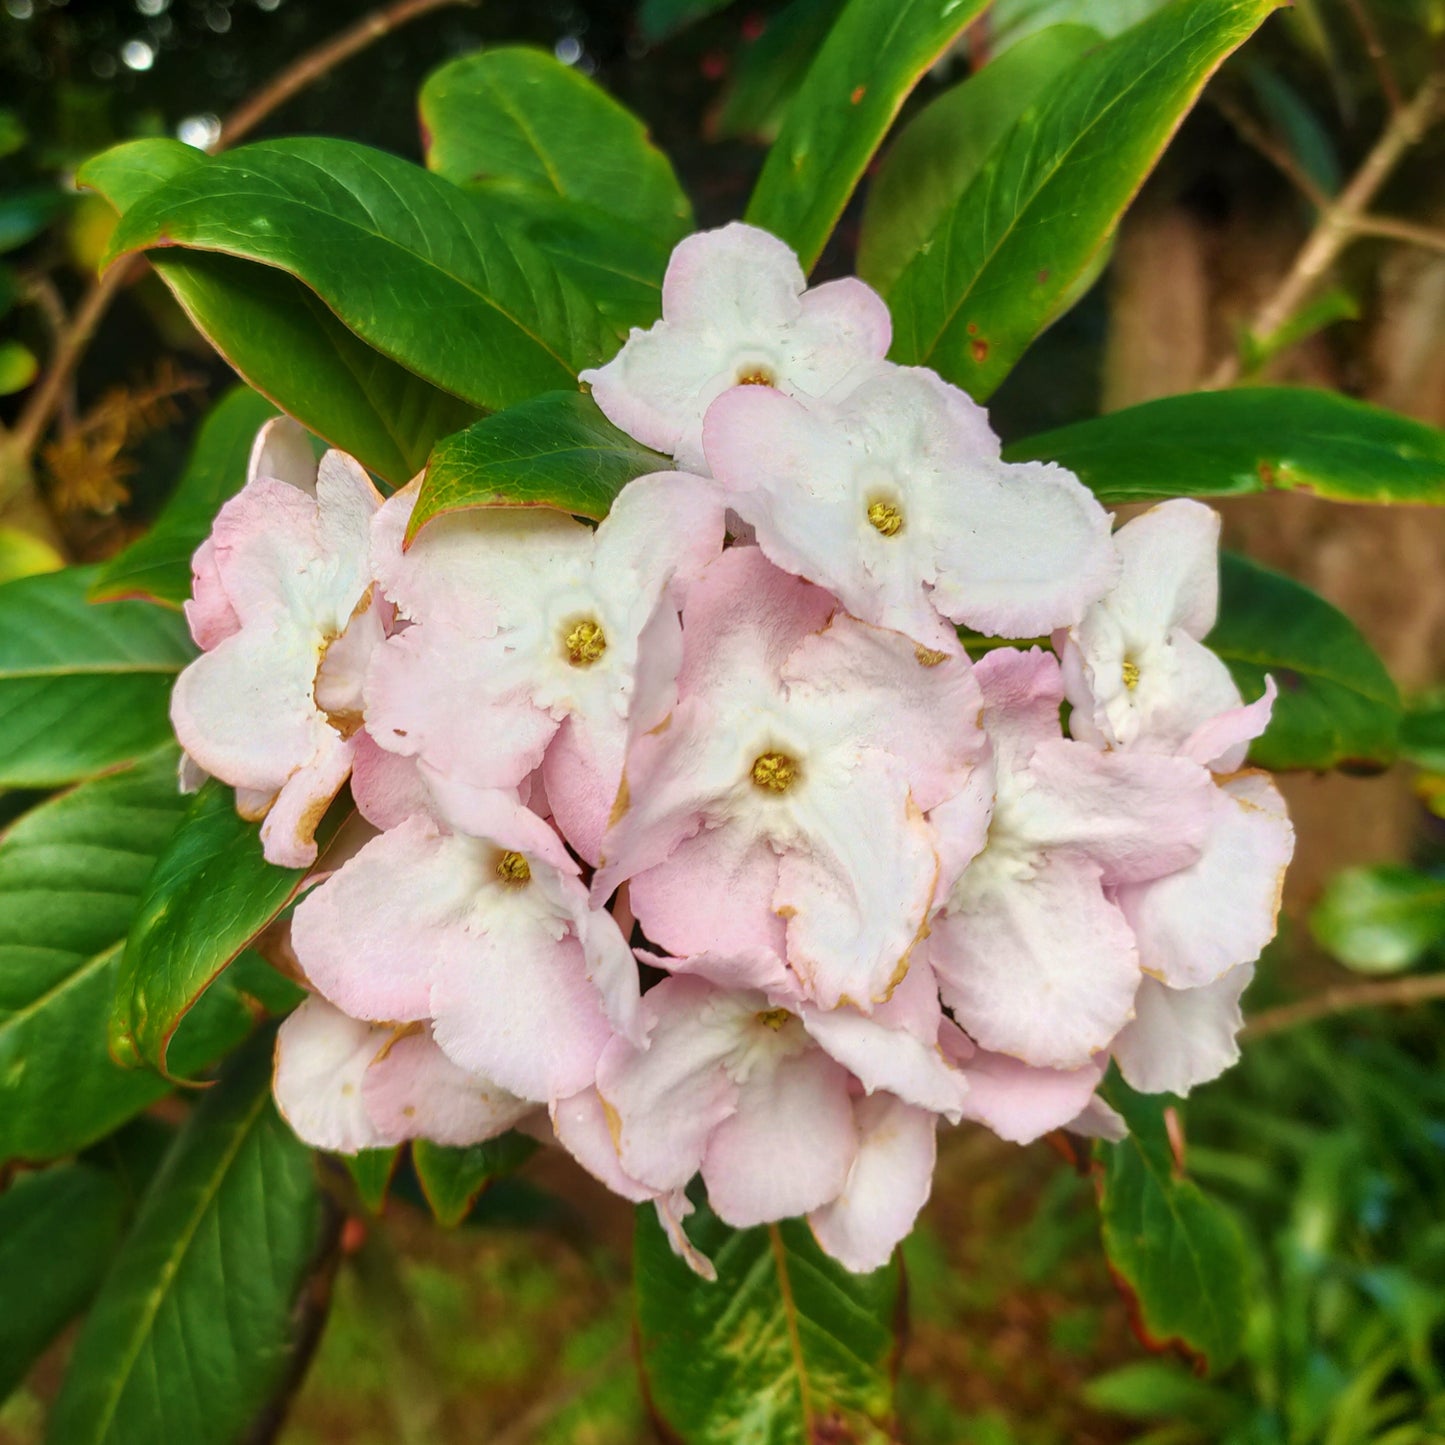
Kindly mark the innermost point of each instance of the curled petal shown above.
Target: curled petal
(1180, 1037)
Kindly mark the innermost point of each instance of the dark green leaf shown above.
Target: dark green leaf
(192, 1328)
(58, 1231)
(1177, 1253)
(1422, 735)
(658, 19)
(873, 57)
(1337, 706)
(82, 687)
(1013, 247)
(210, 893)
(945, 146)
(1381, 919)
(1254, 439)
(767, 72)
(71, 874)
(786, 1346)
(453, 1179)
(405, 259)
(371, 1171)
(556, 451)
(157, 566)
(26, 211)
(618, 264)
(283, 340)
(518, 114)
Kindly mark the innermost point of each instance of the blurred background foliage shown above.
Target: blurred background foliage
(1328, 1140)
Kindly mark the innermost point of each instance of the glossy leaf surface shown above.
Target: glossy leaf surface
(283, 340)
(1009, 252)
(556, 451)
(71, 874)
(192, 1328)
(1337, 706)
(517, 114)
(157, 566)
(83, 686)
(872, 58)
(210, 893)
(1250, 439)
(786, 1346)
(453, 1179)
(1177, 1253)
(405, 259)
(58, 1232)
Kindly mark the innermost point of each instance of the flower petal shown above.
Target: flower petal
(1021, 1103)
(1181, 1037)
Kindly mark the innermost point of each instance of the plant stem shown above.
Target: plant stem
(318, 62)
(1394, 230)
(1338, 223)
(1255, 136)
(40, 406)
(1379, 56)
(1390, 993)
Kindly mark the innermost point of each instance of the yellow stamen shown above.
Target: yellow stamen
(514, 869)
(774, 772)
(886, 518)
(585, 642)
(758, 376)
(774, 1018)
(927, 657)
(1131, 675)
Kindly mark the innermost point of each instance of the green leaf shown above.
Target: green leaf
(453, 1179)
(873, 57)
(658, 19)
(192, 1329)
(555, 451)
(283, 340)
(1337, 707)
(1381, 919)
(26, 211)
(405, 259)
(1163, 1389)
(518, 114)
(58, 1232)
(210, 893)
(1422, 735)
(767, 72)
(1254, 439)
(82, 687)
(1012, 21)
(71, 874)
(1012, 248)
(24, 555)
(1178, 1254)
(371, 1171)
(944, 147)
(786, 1346)
(157, 566)
(18, 367)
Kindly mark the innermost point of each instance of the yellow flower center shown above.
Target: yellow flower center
(585, 642)
(1131, 675)
(774, 1018)
(774, 772)
(886, 518)
(757, 376)
(514, 869)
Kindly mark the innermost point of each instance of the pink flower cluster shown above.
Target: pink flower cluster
(731, 733)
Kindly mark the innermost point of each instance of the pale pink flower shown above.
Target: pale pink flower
(1032, 953)
(523, 633)
(895, 498)
(486, 934)
(780, 805)
(735, 310)
(283, 606)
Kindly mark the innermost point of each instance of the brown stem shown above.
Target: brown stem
(1379, 56)
(1338, 222)
(1391, 993)
(316, 63)
(40, 406)
(1255, 136)
(1395, 230)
